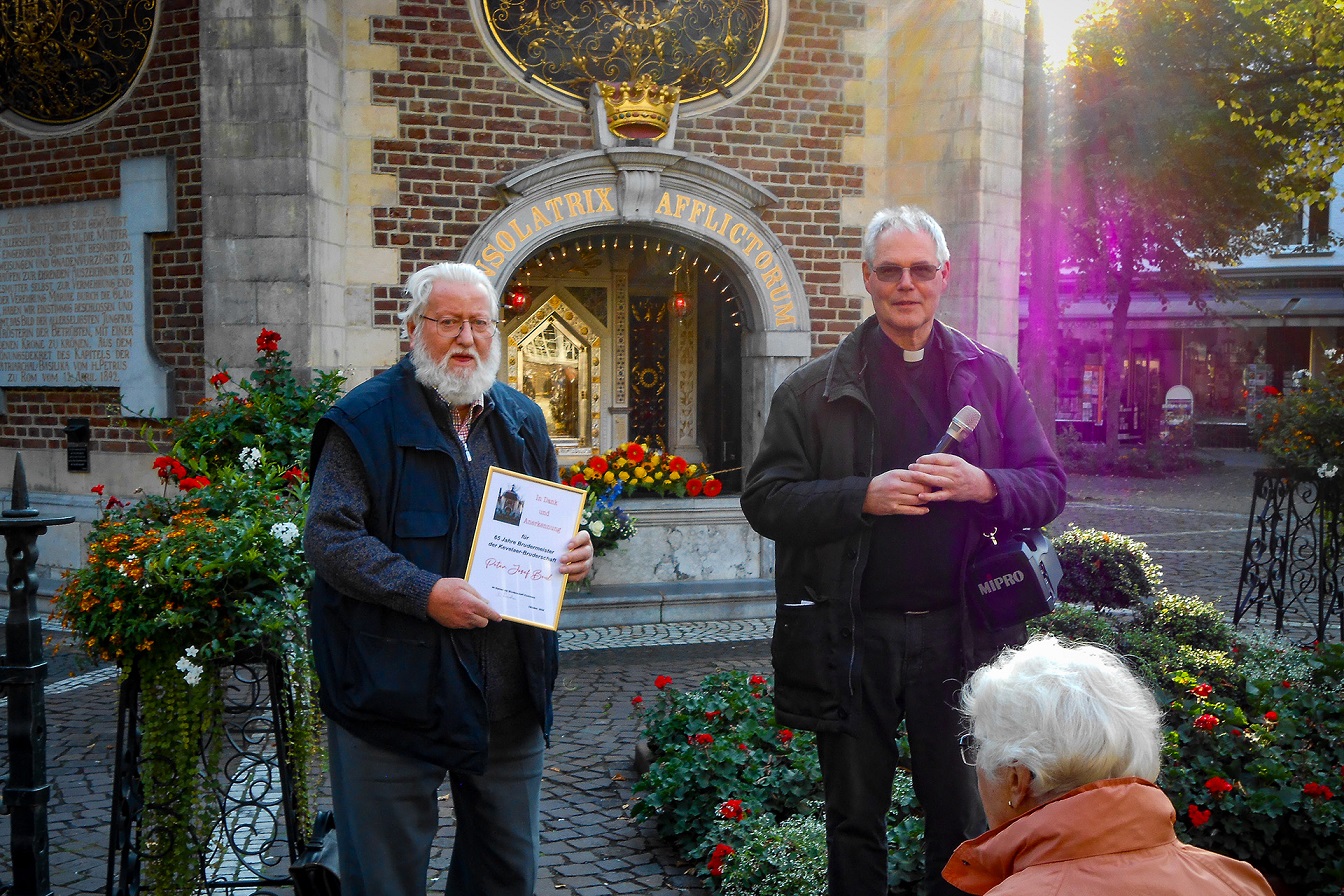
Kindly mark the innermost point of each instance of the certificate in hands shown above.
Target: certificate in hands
(524, 526)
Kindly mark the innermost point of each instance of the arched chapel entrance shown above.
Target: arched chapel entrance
(644, 298)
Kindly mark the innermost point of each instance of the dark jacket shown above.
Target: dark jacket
(404, 683)
(806, 487)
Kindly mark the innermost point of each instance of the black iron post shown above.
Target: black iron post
(22, 673)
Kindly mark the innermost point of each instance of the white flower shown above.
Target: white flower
(1332, 354)
(596, 527)
(192, 651)
(1300, 375)
(1327, 471)
(190, 671)
(285, 532)
(249, 458)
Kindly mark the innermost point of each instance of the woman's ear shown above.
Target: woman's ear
(1019, 786)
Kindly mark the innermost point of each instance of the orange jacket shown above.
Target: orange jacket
(1108, 838)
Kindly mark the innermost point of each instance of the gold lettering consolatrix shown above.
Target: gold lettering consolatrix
(593, 200)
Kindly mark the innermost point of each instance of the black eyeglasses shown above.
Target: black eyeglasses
(451, 327)
(922, 272)
(970, 749)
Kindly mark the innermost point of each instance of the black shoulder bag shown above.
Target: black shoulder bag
(1012, 578)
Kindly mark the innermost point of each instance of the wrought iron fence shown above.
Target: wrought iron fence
(257, 834)
(1291, 564)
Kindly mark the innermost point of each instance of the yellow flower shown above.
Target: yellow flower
(641, 473)
(673, 476)
(624, 476)
(609, 477)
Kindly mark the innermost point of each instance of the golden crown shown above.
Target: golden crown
(639, 110)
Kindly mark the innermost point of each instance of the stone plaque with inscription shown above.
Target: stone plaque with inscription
(72, 292)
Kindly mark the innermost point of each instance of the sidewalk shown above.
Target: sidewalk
(1194, 525)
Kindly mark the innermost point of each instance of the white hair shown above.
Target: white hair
(1071, 714)
(421, 283)
(905, 219)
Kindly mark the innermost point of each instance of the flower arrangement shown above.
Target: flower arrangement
(1305, 427)
(637, 468)
(176, 583)
(608, 524)
(740, 796)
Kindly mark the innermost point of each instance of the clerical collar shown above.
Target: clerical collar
(912, 357)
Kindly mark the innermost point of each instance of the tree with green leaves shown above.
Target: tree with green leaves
(1289, 90)
(1159, 186)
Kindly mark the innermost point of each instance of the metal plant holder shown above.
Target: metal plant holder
(258, 833)
(1291, 563)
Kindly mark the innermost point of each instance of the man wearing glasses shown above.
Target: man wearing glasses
(420, 677)
(873, 532)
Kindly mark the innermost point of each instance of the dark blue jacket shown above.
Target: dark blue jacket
(400, 682)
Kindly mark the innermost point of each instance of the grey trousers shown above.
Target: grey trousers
(911, 671)
(387, 816)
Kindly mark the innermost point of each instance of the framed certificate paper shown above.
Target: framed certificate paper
(523, 528)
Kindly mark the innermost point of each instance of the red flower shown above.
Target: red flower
(693, 486)
(731, 809)
(785, 735)
(169, 468)
(1206, 722)
(1202, 691)
(219, 379)
(191, 483)
(634, 452)
(757, 679)
(1217, 785)
(98, 489)
(676, 464)
(578, 481)
(598, 464)
(114, 501)
(713, 487)
(636, 700)
(1271, 391)
(1315, 788)
(744, 748)
(294, 475)
(703, 739)
(1198, 816)
(1287, 683)
(662, 681)
(1271, 716)
(718, 857)
(268, 341)
(712, 714)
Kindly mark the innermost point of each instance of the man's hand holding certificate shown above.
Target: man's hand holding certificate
(524, 527)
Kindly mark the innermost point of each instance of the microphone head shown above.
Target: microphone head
(966, 420)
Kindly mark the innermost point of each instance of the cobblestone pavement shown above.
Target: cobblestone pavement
(1194, 526)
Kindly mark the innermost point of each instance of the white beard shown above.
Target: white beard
(453, 387)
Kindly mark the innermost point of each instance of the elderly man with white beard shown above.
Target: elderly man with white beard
(420, 677)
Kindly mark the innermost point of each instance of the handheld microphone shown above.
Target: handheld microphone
(961, 426)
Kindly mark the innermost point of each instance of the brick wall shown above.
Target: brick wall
(160, 117)
(463, 125)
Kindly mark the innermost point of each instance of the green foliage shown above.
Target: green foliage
(725, 774)
(177, 581)
(717, 743)
(1105, 569)
(1255, 771)
(270, 409)
(1304, 428)
(1150, 461)
(1289, 88)
(773, 856)
(1075, 623)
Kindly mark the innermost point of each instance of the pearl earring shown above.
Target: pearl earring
(1010, 804)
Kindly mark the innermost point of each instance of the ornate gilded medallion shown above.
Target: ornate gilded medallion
(63, 62)
(703, 47)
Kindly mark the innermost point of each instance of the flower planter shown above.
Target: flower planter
(681, 539)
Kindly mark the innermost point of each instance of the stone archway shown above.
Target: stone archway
(691, 201)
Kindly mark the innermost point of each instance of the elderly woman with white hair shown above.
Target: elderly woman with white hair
(1066, 745)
